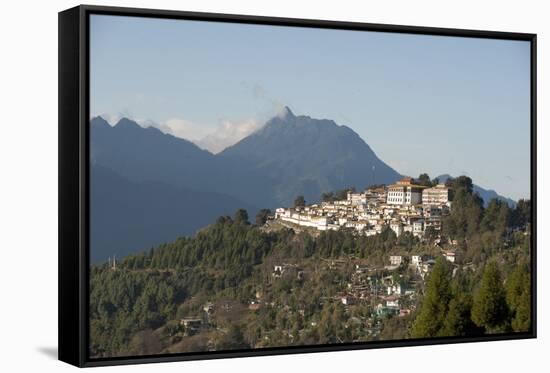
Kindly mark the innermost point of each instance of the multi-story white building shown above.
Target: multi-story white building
(436, 196)
(357, 198)
(404, 192)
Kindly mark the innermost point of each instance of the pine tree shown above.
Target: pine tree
(424, 179)
(489, 309)
(458, 320)
(518, 297)
(261, 216)
(431, 318)
(241, 216)
(522, 319)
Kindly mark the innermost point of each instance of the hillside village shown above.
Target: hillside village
(369, 295)
(404, 207)
(381, 290)
(353, 268)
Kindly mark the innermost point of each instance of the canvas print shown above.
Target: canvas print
(257, 186)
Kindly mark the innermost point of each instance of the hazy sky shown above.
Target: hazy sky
(423, 103)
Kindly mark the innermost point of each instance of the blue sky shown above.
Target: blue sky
(423, 103)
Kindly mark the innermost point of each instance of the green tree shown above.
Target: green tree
(300, 201)
(522, 318)
(521, 214)
(261, 216)
(241, 216)
(232, 339)
(461, 182)
(458, 320)
(343, 193)
(489, 309)
(518, 297)
(467, 210)
(431, 317)
(145, 343)
(495, 218)
(223, 220)
(424, 179)
(327, 197)
(430, 233)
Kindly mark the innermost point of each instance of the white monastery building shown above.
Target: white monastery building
(402, 207)
(436, 196)
(405, 192)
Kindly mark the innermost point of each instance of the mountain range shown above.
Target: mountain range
(306, 156)
(148, 187)
(127, 216)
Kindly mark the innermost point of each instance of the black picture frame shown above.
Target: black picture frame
(74, 180)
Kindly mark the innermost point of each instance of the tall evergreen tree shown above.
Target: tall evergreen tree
(521, 215)
(518, 297)
(522, 318)
(431, 318)
(496, 218)
(458, 321)
(424, 179)
(489, 309)
(461, 182)
(467, 211)
(241, 216)
(261, 216)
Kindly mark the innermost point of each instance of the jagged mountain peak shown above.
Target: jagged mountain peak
(285, 113)
(125, 123)
(99, 121)
(287, 121)
(304, 155)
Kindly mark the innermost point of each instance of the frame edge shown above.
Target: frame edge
(69, 294)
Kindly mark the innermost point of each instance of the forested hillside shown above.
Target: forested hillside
(240, 285)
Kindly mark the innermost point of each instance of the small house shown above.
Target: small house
(396, 260)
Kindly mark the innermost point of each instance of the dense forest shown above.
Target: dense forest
(237, 285)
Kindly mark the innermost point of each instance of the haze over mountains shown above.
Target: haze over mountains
(308, 156)
(129, 216)
(148, 187)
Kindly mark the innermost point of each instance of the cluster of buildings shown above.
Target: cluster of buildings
(404, 207)
(386, 295)
(389, 295)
